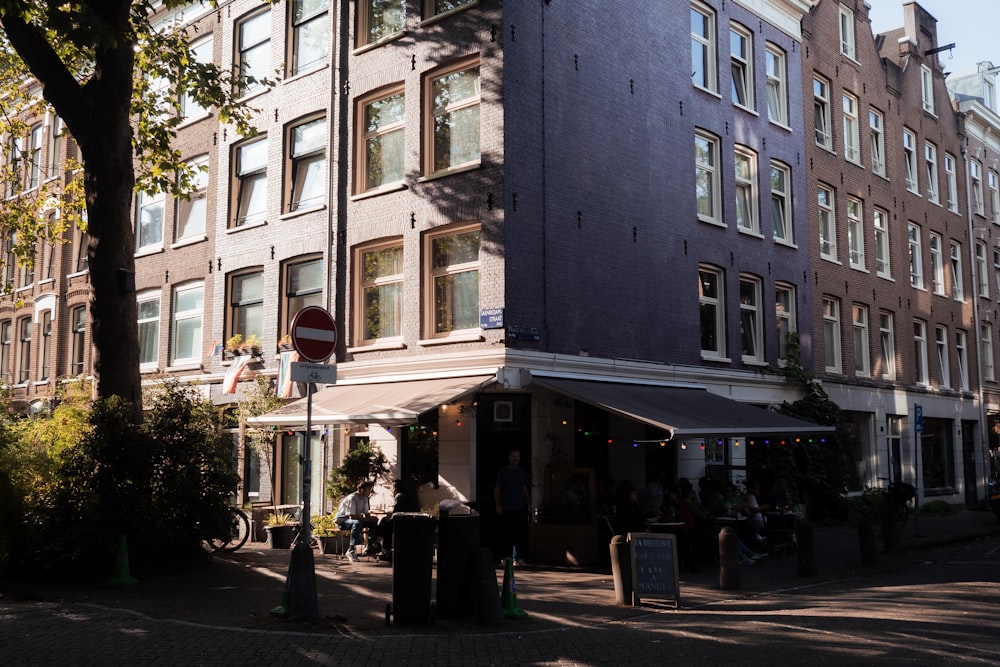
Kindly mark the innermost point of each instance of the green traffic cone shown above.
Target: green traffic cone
(121, 576)
(509, 595)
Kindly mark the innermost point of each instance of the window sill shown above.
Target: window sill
(753, 361)
(443, 15)
(751, 232)
(377, 346)
(713, 222)
(144, 370)
(752, 112)
(189, 241)
(312, 69)
(450, 172)
(146, 252)
(77, 274)
(788, 244)
(191, 366)
(461, 337)
(859, 267)
(365, 48)
(193, 120)
(832, 260)
(253, 225)
(708, 91)
(828, 149)
(712, 357)
(375, 192)
(886, 277)
(781, 126)
(301, 211)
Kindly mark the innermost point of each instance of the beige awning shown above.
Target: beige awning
(683, 411)
(375, 403)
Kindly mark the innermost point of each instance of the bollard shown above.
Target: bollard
(621, 570)
(729, 559)
(806, 549)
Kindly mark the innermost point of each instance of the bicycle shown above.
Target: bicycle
(237, 535)
(898, 496)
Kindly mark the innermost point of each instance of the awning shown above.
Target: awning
(375, 403)
(683, 411)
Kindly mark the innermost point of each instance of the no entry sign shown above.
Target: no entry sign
(314, 334)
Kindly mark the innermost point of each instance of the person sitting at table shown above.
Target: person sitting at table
(710, 494)
(628, 510)
(734, 506)
(782, 506)
(354, 515)
(758, 522)
(404, 501)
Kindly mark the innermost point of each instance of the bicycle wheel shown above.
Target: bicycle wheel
(240, 530)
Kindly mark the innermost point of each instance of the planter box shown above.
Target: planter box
(280, 537)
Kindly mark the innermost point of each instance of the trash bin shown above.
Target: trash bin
(458, 540)
(412, 559)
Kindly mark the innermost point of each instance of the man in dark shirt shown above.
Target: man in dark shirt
(512, 502)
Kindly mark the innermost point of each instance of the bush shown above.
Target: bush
(937, 507)
(364, 463)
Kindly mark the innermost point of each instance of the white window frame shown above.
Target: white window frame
(976, 175)
(78, 340)
(751, 320)
(931, 171)
(191, 212)
(847, 41)
(827, 223)
(921, 372)
(308, 22)
(986, 344)
(952, 179)
(245, 303)
(35, 141)
(962, 354)
(45, 345)
(852, 130)
(982, 271)
(433, 274)
(707, 177)
(148, 313)
(883, 256)
(24, 332)
(777, 91)
(821, 113)
(927, 89)
(862, 342)
(715, 305)
(305, 146)
(203, 52)
(192, 318)
(249, 166)
(887, 344)
(831, 334)
(785, 317)
(703, 49)
(957, 279)
(379, 281)
(150, 210)
(916, 256)
(996, 271)
(876, 127)
(741, 62)
(253, 49)
(781, 203)
(993, 181)
(856, 233)
(937, 263)
(910, 160)
(53, 165)
(944, 364)
(745, 179)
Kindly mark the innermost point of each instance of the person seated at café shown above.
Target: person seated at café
(756, 511)
(734, 506)
(628, 511)
(782, 516)
(710, 494)
(403, 501)
(652, 496)
(354, 515)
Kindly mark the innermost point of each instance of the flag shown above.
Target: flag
(285, 373)
(233, 374)
(213, 349)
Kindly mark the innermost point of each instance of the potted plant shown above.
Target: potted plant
(280, 529)
(234, 343)
(332, 540)
(285, 342)
(251, 346)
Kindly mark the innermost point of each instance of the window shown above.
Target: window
(781, 203)
(436, 7)
(378, 19)
(15, 163)
(989, 95)
(250, 174)
(910, 160)
(996, 271)
(751, 326)
(962, 352)
(852, 132)
(149, 227)
(746, 191)
(9, 259)
(927, 89)
(957, 284)
(712, 311)
(741, 57)
(78, 340)
(986, 343)
(307, 165)
(930, 165)
(192, 211)
(916, 256)
(202, 53)
(246, 304)
(81, 256)
(703, 70)
(254, 51)
(831, 334)
(303, 281)
(453, 136)
(381, 150)
(982, 272)
(24, 350)
(950, 176)
(862, 361)
(55, 135)
(35, 156)
(855, 233)
(937, 264)
(883, 266)
(5, 348)
(821, 115)
(887, 345)
(149, 329)
(310, 42)
(380, 297)
(847, 32)
(941, 343)
(976, 174)
(777, 94)
(922, 376)
(188, 304)
(876, 125)
(48, 250)
(706, 156)
(994, 196)
(784, 311)
(827, 228)
(453, 257)
(45, 363)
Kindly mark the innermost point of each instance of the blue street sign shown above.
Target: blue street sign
(918, 418)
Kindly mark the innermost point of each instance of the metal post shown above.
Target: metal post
(302, 570)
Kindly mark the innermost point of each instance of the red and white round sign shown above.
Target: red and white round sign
(314, 334)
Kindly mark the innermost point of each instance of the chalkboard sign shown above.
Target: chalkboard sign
(654, 566)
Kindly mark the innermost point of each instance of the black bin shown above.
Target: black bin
(412, 559)
(458, 540)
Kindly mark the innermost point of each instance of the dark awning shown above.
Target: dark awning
(682, 410)
(375, 403)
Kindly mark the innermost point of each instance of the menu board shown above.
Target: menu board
(654, 566)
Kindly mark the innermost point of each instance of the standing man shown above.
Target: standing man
(512, 502)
